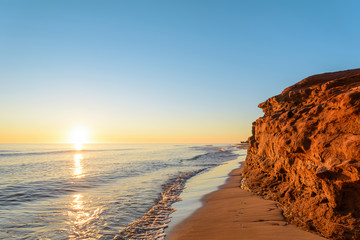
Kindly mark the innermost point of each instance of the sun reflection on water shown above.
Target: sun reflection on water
(84, 216)
(78, 168)
(83, 219)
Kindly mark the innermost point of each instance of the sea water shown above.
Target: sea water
(50, 191)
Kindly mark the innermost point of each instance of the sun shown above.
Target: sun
(78, 136)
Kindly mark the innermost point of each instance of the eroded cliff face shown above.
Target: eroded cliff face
(305, 153)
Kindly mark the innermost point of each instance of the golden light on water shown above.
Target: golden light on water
(78, 168)
(81, 216)
(77, 202)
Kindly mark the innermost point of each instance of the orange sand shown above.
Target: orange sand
(232, 213)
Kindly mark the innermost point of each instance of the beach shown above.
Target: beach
(233, 213)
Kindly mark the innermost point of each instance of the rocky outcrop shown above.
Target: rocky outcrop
(305, 153)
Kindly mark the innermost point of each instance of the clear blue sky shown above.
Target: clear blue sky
(161, 71)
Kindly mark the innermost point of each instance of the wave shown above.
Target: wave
(152, 225)
(11, 154)
(34, 191)
(219, 153)
(8, 151)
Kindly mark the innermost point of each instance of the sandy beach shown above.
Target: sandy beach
(232, 213)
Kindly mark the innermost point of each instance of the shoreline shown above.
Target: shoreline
(199, 186)
(232, 213)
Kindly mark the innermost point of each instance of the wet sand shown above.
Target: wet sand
(232, 213)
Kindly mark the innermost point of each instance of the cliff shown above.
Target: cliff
(305, 153)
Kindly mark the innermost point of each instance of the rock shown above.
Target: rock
(305, 153)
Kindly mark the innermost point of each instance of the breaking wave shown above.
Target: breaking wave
(152, 225)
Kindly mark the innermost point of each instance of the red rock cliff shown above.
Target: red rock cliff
(305, 153)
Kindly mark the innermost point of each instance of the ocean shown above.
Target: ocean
(50, 191)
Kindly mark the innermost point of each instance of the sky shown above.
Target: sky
(160, 71)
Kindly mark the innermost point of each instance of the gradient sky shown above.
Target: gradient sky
(161, 71)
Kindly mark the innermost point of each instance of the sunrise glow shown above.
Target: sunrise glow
(78, 137)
